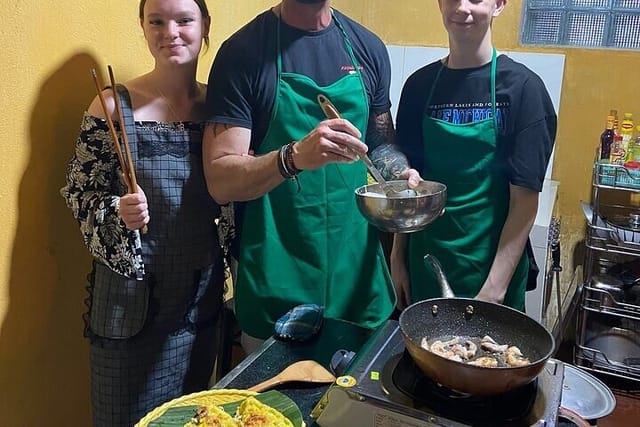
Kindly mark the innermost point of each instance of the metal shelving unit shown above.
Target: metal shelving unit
(608, 329)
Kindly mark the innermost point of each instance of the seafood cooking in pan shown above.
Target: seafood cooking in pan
(484, 352)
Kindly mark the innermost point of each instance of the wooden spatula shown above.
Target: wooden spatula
(304, 371)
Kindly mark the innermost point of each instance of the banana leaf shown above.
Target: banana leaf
(175, 417)
(178, 416)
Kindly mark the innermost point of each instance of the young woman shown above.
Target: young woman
(154, 296)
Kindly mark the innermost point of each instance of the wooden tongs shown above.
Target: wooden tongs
(332, 113)
(124, 156)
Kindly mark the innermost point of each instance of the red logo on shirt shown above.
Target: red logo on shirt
(350, 68)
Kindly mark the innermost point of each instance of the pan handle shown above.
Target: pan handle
(445, 288)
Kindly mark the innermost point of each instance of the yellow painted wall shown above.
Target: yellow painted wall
(48, 50)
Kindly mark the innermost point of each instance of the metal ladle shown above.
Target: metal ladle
(332, 113)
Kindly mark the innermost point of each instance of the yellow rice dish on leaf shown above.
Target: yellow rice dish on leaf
(226, 408)
(213, 416)
(250, 413)
(253, 413)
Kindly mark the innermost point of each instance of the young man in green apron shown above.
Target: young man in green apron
(302, 240)
(484, 125)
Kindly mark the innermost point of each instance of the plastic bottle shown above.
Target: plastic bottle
(626, 132)
(634, 198)
(635, 148)
(606, 141)
(618, 153)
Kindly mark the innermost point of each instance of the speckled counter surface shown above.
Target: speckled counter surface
(274, 355)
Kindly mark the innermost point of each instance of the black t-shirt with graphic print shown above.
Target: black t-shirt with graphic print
(243, 78)
(526, 118)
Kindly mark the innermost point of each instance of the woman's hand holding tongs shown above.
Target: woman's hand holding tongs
(134, 210)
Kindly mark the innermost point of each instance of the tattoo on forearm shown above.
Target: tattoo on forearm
(218, 128)
(384, 154)
(389, 160)
(380, 130)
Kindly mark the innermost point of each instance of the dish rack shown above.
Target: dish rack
(608, 326)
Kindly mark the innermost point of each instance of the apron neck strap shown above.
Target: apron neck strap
(493, 87)
(347, 42)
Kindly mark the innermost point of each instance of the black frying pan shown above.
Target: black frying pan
(442, 318)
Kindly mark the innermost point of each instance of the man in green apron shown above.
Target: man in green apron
(484, 125)
(301, 237)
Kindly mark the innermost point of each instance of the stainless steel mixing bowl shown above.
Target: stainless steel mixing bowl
(404, 212)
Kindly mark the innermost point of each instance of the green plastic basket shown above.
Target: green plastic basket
(617, 176)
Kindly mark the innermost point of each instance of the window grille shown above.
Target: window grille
(586, 23)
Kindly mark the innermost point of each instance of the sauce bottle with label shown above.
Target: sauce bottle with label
(606, 141)
(616, 129)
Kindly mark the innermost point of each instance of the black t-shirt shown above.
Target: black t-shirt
(525, 114)
(243, 78)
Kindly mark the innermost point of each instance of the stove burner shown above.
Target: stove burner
(426, 393)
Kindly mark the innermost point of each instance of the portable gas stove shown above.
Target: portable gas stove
(382, 387)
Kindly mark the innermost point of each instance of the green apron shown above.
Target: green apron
(465, 239)
(311, 245)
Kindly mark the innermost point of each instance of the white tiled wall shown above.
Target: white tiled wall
(550, 67)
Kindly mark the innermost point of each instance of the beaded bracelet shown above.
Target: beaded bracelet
(286, 167)
(282, 167)
(291, 167)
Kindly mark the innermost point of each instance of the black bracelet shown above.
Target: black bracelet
(282, 167)
(286, 167)
(291, 167)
